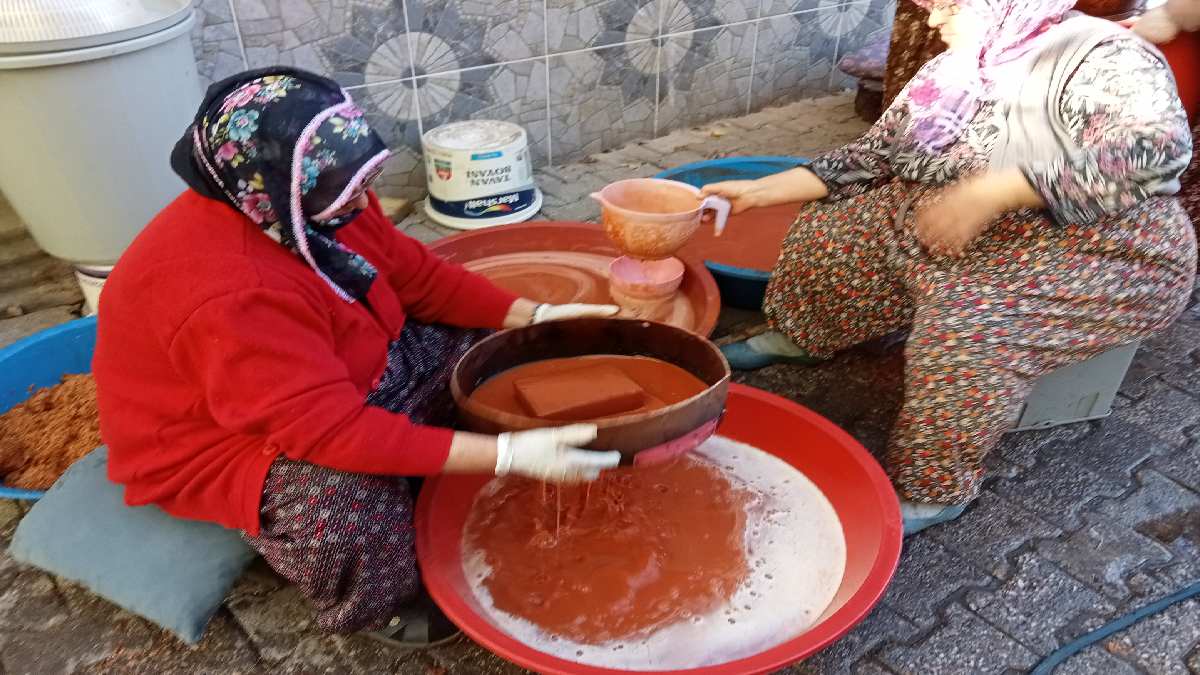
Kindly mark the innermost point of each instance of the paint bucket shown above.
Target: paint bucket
(479, 175)
(91, 281)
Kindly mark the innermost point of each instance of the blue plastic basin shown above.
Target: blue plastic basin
(41, 360)
(740, 286)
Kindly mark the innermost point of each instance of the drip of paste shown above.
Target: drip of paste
(632, 552)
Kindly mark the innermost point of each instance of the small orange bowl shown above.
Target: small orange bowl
(645, 279)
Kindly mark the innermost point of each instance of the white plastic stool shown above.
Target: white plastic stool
(1077, 393)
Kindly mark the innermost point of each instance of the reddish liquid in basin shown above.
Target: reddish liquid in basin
(634, 551)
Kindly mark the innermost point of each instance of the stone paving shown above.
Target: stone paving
(1075, 525)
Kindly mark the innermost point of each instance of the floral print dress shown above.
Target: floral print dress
(1107, 263)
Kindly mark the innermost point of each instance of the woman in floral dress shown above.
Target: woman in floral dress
(1013, 208)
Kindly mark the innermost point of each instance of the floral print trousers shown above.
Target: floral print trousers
(347, 540)
(1029, 296)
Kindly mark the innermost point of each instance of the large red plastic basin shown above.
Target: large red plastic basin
(850, 478)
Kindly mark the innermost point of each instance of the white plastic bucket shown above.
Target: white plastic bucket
(91, 282)
(479, 175)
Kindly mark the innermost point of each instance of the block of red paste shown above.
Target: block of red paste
(577, 395)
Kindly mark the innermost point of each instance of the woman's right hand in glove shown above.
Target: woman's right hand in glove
(550, 454)
(553, 454)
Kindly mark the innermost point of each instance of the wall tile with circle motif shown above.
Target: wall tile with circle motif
(601, 99)
(705, 76)
(583, 24)
(860, 23)
(479, 31)
(794, 59)
(391, 111)
(689, 15)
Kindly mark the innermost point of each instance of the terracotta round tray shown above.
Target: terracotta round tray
(572, 258)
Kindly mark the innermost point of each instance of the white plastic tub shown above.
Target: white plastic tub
(479, 175)
(89, 112)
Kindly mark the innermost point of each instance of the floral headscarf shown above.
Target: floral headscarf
(944, 97)
(288, 149)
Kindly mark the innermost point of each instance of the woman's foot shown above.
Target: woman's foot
(918, 516)
(419, 625)
(765, 350)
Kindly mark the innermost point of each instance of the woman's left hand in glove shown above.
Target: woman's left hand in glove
(525, 312)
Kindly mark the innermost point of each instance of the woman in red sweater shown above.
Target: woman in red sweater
(274, 355)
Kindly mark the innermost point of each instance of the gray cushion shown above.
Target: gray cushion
(173, 572)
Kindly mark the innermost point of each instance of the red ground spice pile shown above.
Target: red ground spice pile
(43, 436)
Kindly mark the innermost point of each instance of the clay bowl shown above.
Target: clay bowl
(643, 288)
(625, 337)
(650, 218)
(646, 278)
(851, 479)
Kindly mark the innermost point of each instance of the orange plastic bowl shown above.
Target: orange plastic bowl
(851, 479)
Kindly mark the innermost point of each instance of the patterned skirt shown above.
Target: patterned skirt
(347, 540)
(1029, 296)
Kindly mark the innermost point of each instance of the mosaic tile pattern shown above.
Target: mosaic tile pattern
(391, 110)
(513, 92)
(857, 25)
(581, 76)
(705, 76)
(679, 16)
(597, 102)
(215, 41)
(583, 24)
(479, 31)
(780, 7)
(292, 32)
(794, 58)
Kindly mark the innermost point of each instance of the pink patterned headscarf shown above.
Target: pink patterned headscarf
(944, 97)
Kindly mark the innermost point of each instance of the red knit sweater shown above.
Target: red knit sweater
(220, 350)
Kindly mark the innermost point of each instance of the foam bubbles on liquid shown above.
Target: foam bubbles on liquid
(796, 555)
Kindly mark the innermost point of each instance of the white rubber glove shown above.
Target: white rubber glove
(544, 313)
(552, 454)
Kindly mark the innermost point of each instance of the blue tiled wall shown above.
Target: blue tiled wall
(581, 76)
